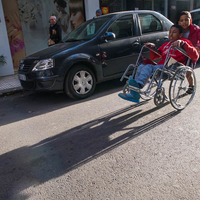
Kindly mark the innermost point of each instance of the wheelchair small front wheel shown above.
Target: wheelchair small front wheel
(159, 97)
(179, 85)
(126, 88)
(149, 94)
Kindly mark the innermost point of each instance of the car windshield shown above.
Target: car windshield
(88, 29)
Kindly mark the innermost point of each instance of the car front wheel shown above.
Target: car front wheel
(80, 82)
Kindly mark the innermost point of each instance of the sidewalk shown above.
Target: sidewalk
(9, 84)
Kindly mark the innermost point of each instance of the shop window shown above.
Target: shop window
(196, 17)
(114, 5)
(123, 27)
(149, 23)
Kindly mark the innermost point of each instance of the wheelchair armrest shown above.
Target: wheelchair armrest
(154, 50)
(146, 60)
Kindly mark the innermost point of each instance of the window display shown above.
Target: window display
(28, 24)
(14, 31)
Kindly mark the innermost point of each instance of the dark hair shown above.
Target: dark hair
(185, 13)
(180, 28)
(76, 6)
(61, 3)
(99, 11)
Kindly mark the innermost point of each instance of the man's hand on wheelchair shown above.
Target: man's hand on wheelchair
(198, 49)
(149, 44)
(178, 43)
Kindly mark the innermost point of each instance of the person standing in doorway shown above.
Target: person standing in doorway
(98, 13)
(55, 32)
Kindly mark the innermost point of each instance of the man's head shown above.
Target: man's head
(98, 12)
(175, 32)
(52, 20)
(185, 19)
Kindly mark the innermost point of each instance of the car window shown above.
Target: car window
(149, 23)
(123, 27)
(196, 18)
(88, 29)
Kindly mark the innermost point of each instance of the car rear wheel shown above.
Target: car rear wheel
(80, 82)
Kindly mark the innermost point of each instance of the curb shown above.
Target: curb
(8, 92)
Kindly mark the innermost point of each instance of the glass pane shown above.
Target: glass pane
(123, 27)
(149, 23)
(114, 5)
(159, 6)
(147, 4)
(88, 29)
(196, 18)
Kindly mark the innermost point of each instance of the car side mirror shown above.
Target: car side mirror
(108, 36)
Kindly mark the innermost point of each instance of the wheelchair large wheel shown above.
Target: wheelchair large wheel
(179, 97)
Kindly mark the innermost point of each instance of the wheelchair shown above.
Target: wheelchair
(174, 72)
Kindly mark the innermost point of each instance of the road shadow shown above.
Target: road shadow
(25, 105)
(53, 157)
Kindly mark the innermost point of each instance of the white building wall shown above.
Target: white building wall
(90, 8)
(7, 68)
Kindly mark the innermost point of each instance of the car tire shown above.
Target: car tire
(80, 82)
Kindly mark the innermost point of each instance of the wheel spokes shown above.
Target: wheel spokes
(82, 82)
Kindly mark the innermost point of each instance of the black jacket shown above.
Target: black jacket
(55, 33)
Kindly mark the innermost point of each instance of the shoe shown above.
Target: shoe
(134, 83)
(140, 85)
(190, 89)
(132, 96)
(128, 97)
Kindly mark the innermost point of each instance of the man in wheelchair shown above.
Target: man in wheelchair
(145, 70)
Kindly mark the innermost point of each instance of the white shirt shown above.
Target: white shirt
(186, 35)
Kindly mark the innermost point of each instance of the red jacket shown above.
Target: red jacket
(194, 35)
(188, 47)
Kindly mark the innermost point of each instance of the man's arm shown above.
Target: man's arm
(56, 35)
(154, 53)
(198, 41)
(188, 47)
(59, 32)
(50, 34)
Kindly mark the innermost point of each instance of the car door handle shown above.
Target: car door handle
(166, 38)
(135, 44)
(158, 40)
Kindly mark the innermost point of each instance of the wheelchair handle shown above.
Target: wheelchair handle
(158, 53)
(180, 50)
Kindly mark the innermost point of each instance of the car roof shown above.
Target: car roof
(121, 13)
(196, 10)
(131, 11)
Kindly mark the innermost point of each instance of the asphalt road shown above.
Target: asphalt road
(102, 147)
